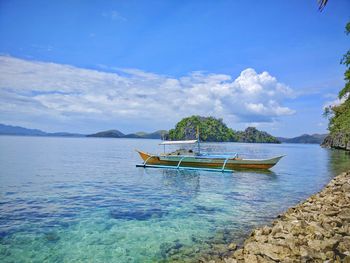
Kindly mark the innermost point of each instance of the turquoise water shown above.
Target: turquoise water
(83, 199)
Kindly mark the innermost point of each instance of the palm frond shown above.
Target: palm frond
(322, 4)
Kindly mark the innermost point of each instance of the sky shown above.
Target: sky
(88, 66)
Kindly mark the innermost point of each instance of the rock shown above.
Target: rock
(250, 258)
(238, 254)
(329, 244)
(329, 254)
(317, 230)
(230, 260)
(266, 230)
(315, 244)
(347, 258)
(307, 253)
(274, 252)
(345, 187)
(261, 239)
(262, 259)
(344, 247)
(52, 237)
(277, 229)
(232, 246)
(252, 247)
(338, 140)
(331, 213)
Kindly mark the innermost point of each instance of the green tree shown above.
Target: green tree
(339, 115)
(211, 129)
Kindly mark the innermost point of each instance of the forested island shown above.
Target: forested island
(215, 130)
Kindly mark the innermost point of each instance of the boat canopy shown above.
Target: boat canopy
(178, 142)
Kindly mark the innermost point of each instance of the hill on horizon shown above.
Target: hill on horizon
(137, 135)
(17, 130)
(107, 134)
(21, 131)
(305, 138)
(242, 136)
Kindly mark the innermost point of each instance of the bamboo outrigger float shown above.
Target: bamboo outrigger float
(188, 159)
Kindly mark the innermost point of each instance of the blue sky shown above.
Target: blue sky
(86, 66)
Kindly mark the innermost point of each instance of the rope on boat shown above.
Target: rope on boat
(178, 165)
(145, 162)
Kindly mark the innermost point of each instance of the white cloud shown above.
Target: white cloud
(61, 91)
(113, 15)
(334, 100)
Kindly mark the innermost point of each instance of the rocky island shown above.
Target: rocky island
(215, 130)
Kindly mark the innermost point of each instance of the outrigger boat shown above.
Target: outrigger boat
(195, 160)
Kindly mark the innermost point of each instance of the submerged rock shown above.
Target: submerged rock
(137, 214)
(52, 237)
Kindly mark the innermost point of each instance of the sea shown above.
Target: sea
(84, 199)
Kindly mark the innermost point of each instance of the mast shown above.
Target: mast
(198, 141)
(162, 136)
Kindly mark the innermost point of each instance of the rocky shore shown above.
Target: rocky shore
(338, 140)
(316, 230)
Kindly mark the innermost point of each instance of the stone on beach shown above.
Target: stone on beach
(316, 230)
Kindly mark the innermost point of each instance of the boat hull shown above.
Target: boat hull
(209, 163)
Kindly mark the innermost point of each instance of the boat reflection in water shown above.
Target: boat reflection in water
(179, 181)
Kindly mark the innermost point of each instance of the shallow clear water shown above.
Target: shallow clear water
(83, 199)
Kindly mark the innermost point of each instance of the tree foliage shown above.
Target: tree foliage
(322, 4)
(252, 134)
(339, 115)
(211, 129)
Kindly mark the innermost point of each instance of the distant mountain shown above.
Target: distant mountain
(65, 134)
(140, 134)
(16, 130)
(144, 135)
(132, 135)
(156, 135)
(305, 138)
(108, 134)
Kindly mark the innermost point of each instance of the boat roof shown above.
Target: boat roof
(178, 142)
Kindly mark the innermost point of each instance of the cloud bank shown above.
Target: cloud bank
(32, 88)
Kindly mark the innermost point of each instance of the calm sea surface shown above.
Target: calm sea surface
(83, 199)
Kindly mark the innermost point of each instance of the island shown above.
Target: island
(215, 130)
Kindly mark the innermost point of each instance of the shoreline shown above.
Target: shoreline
(315, 230)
